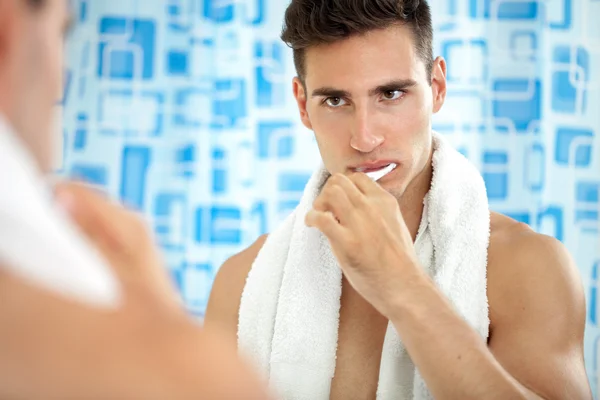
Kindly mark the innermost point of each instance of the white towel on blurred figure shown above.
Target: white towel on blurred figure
(289, 313)
(37, 241)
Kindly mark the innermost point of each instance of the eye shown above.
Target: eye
(335, 102)
(392, 94)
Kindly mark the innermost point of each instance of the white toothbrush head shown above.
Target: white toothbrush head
(377, 175)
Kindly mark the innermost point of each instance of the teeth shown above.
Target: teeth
(377, 175)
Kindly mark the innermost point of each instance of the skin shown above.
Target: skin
(54, 347)
(537, 305)
(31, 51)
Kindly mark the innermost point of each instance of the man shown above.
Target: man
(367, 86)
(70, 325)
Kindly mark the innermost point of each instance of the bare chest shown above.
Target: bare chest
(360, 341)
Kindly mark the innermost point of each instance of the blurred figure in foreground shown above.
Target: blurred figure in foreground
(83, 316)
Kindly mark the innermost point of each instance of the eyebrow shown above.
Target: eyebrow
(329, 92)
(396, 84)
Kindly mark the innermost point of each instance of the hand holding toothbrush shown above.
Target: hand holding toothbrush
(368, 235)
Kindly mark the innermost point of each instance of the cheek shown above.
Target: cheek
(59, 78)
(339, 120)
(328, 126)
(331, 132)
(416, 115)
(54, 62)
(49, 58)
(335, 137)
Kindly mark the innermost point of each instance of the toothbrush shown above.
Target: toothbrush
(377, 175)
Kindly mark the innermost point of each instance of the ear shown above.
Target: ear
(301, 98)
(438, 83)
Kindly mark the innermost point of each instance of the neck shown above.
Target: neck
(20, 145)
(411, 202)
(35, 146)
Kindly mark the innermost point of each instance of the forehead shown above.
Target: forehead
(364, 60)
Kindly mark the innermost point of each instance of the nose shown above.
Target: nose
(364, 137)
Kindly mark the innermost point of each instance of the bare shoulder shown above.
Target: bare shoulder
(224, 303)
(514, 245)
(536, 309)
(529, 261)
(528, 269)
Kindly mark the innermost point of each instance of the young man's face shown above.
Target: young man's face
(31, 60)
(369, 102)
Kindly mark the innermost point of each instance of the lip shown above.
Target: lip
(373, 166)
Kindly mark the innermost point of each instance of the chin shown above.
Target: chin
(395, 187)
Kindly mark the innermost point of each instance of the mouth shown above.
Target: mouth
(377, 172)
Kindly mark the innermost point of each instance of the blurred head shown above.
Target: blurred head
(367, 83)
(31, 56)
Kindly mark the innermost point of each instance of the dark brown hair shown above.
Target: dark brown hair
(312, 22)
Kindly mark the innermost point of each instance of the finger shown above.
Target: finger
(96, 233)
(121, 236)
(335, 200)
(325, 222)
(352, 191)
(97, 216)
(366, 186)
(58, 183)
(88, 210)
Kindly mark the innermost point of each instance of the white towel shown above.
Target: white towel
(290, 307)
(38, 242)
